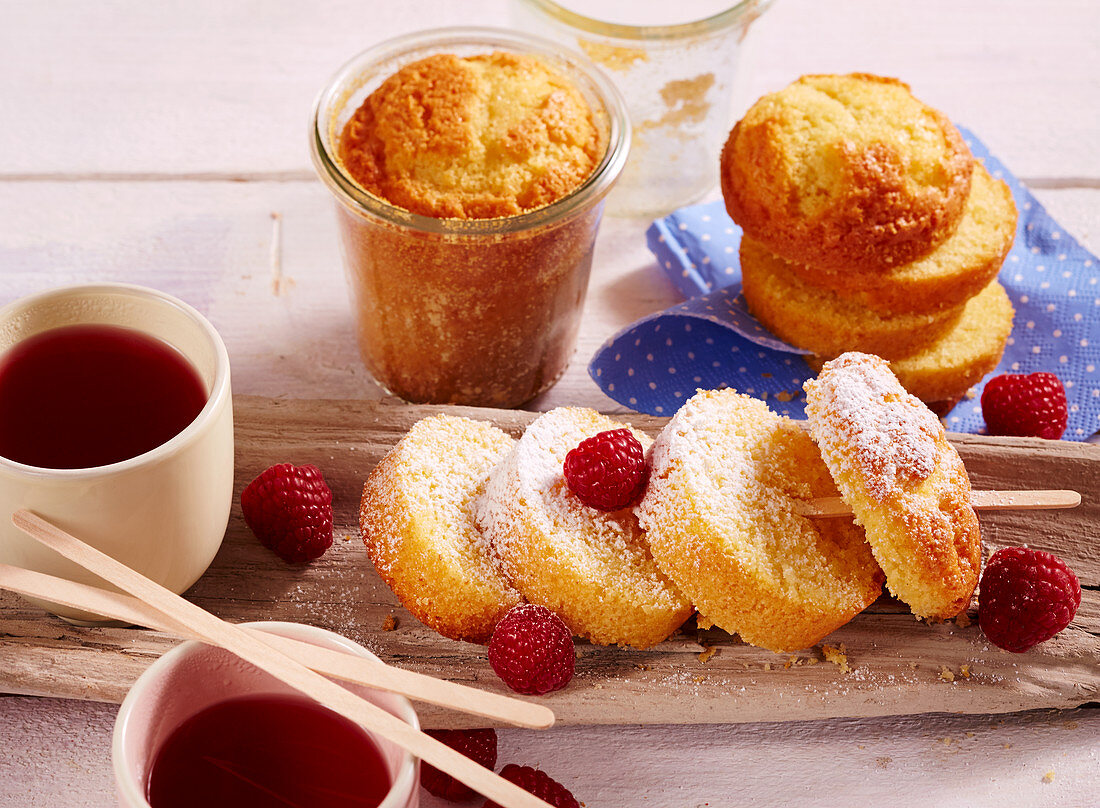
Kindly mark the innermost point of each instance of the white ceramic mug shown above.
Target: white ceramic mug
(193, 676)
(164, 512)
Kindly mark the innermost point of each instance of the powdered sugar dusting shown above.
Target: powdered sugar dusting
(888, 436)
(742, 467)
(528, 490)
(440, 467)
(713, 456)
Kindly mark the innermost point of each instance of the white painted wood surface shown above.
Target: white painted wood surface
(165, 143)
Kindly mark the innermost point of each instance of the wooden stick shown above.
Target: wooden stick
(217, 632)
(824, 507)
(338, 664)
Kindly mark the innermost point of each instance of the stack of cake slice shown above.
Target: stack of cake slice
(869, 226)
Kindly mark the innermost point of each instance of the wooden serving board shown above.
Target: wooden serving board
(895, 664)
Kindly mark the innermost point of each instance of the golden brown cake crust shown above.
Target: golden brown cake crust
(836, 171)
(946, 369)
(959, 268)
(478, 137)
(825, 322)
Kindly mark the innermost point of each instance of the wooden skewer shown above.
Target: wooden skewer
(245, 645)
(824, 507)
(350, 668)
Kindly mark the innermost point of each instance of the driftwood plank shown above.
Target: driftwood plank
(896, 665)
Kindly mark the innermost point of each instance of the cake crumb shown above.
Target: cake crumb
(784, 396)
(767, 666)
(946, 674)
(1007, 746)
(883, 762)
(964, 671)
(838, 656)
(1049, 777)
(390, 623)
(970, 734)
(962, 619)
(708, 652)
(347, 537)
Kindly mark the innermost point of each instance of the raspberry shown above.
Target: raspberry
(1026, 596)
(289, 508)
(607, 471)
(1025, 406)
(532, 650)
(480, 745)
(538, 783)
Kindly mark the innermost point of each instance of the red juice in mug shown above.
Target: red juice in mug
(87, 395)
(268, 751)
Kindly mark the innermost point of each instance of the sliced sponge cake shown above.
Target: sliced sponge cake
(905, 483)
(721, 515)
(825, 322)
(957, 269)
(944, 370)
(416, 518)
(592, 568)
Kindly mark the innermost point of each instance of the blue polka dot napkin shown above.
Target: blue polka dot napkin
(711, 340)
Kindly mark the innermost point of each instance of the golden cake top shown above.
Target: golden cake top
(842, 170)
(476, 137)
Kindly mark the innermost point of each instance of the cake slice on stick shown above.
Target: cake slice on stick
(904, 481)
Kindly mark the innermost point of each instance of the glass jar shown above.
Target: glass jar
(482, 312)
(677, 75)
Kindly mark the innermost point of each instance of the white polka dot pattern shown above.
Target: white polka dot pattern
(712, 340)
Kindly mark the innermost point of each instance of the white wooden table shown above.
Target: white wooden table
(165, 144)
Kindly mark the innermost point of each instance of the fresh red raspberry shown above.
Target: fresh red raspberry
(289, 508)
(538, 783)
(607, 471)
(480, 745)
(532, 650)
(1025, 406)
(1025, 597)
